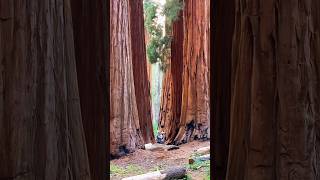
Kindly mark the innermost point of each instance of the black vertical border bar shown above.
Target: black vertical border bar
(212, 161)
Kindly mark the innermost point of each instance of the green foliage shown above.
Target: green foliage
(154, 47)
(158, 48)
(207, 177)
(171, 10)
(153, 51)
(150, 11)
(199, 164)
(114, 169)
(134, 169)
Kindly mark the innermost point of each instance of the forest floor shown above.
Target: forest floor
(144, 161)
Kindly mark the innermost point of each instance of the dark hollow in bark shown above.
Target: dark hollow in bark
(223, 25)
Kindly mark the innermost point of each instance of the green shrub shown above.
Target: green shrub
(153, 51)
(150, 10)
(171, 10)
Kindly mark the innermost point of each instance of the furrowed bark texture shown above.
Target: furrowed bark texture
(149, 66)
(195, 80)
(89, 39)
(125, 130)
(223, 22)
(140, 74)
(275, 99)
(166, 120)
(41, 132)
(170, 107)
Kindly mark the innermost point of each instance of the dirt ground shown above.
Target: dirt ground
(146, 161)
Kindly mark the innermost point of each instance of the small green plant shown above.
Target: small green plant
(207, 177)
(117, 170)
(199, 164)
(134, 169)
(121, 171)
(207, 171)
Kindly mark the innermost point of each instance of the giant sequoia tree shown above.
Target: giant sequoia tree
(195, 79)
(41, 132)
(274, 132)
(53, 86)
(140, 73)
(185, 100)
(275, 98)
(130, 125)
(89, 28)
(48, 119)
(170, 107)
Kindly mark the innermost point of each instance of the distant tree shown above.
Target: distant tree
(158, 48)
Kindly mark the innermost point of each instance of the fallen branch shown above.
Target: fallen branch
(199, 158)
(172, 173)
(155, 147)
(204, 150)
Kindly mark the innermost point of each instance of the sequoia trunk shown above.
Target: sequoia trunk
(275, 91)
(195, 112)
(91, 59)
(140, 74)
(125, 129)
(41, 131)
(170, 107)
(185, 96)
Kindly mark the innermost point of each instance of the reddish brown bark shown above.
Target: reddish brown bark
(275, 91)
(149, 65)
(128, 131)
(170, 107)
(166, 121)
(195, 80)
(185, 112)
(140, 74)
